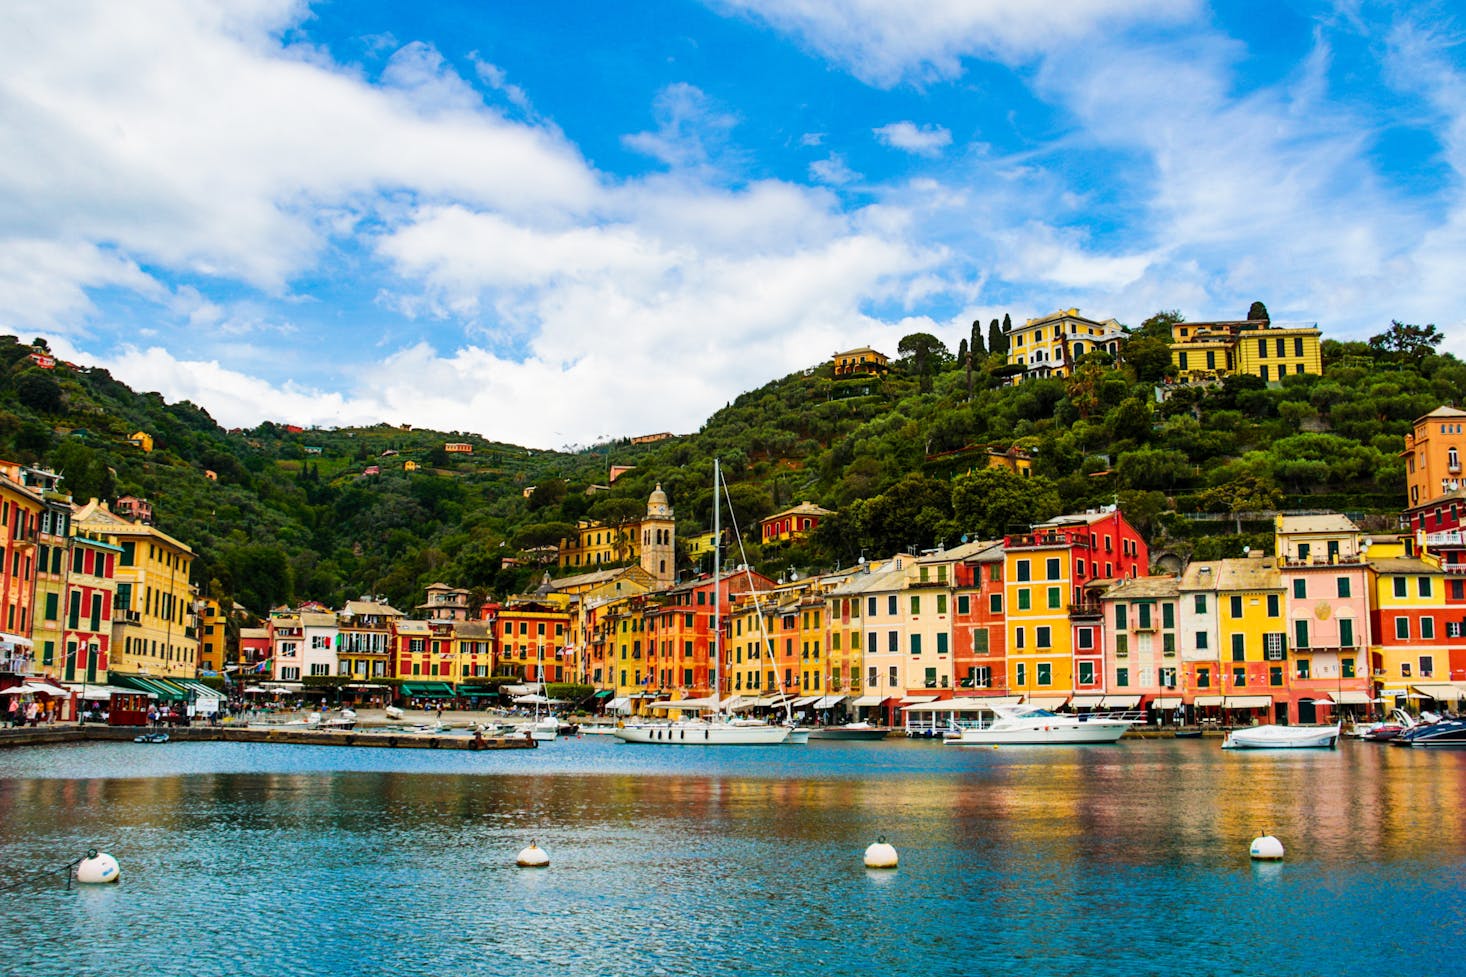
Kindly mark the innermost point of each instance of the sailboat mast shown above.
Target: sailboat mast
(717, 638)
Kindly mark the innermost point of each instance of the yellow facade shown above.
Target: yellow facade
(863, 360)
(1210, 350)
(1252, 624)
(213, 634)
(153, 631)
(1409, 641)
(1279, 353)
(1037, 582)
(1049, 345)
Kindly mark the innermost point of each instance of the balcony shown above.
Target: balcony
(1144, 625)
(128, 617)
(1086, 609)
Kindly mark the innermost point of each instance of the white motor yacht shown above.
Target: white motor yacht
(1035, 726)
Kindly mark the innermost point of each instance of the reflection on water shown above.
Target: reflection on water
(732, 861)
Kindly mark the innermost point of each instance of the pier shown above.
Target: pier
(382, 738)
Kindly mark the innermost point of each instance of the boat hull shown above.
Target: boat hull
(1058, 734)
(701, 734)
(1445, 734)
(848, 733)
(1283, 738)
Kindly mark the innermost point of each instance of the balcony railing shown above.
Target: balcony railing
(1086, 609)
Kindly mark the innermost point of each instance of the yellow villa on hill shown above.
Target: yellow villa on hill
(1049, 345)
(1252, 347)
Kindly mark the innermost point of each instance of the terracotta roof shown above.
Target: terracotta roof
(1405, 564)
(1144, 587)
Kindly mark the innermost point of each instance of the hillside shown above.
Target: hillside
(291, 514)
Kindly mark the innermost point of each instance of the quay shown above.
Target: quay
(383, 738)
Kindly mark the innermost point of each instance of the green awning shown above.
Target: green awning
(428, 690)
(603, 693)
(477, 691)
(165, 691)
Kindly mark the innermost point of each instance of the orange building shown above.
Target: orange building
(862, 360)
(1432, 454)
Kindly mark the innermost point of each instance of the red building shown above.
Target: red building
(794, 523)
(979, 626)
(86, 628)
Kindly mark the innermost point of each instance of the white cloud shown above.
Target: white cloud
(833, 170)
(691, 131)
(921, 140)
(885, 42)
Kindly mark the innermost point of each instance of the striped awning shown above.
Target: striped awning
(1162, 702)
(869, 700)
(915, 700)
(829, 702)
(1087, 701)
(1248, 702)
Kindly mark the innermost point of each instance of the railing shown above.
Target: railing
(1086, 609)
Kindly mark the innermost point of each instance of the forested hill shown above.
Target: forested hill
(289, 515)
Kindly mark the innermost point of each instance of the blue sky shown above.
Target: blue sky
(556, 223)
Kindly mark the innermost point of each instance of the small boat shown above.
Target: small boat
(850, 731)
(545, 729)
(1274, 737)
(798, 734)
(393, 712)
(151, 738)
(1385, 730)
(1035, 726)
(1444, 732)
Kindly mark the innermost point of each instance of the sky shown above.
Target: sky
(559, 223)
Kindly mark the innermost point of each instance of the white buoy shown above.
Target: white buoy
(98, 867)
(880, 855)
(533, 857)
(1266, 848)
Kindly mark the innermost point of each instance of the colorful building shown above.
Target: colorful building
(793, 523)
(1409, 660)
(979, 625)
(1252, 347)
(650, 541)
(1142, 634)
(1433, 450)
(862, 361)
(1049, 345)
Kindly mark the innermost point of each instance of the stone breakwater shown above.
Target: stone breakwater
(381, 738)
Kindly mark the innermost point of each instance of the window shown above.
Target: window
(1342, 583)
(1239, 678)
(1044, 673)
(1086, 638)
(1427, 629)
(1041, 637)
(1303, 550)
(1346, 666)
(1023, 570)
(1273, 647)
(1303, 668)
(1274, 605)
(1405, 669)
(1399, 583)
(1120, 616)
(941, 644)
(1239, 648)
(1236, 605)
(1142, 613)
(892, 641)
(964, 604)
(915, 604)
(1423, 586)
(916, 644)
(1168, 615)
(1346, 632)
(1200, 603)
(980, 677)
(1052, 569)
(1402, 628)
(1168, 644)
(1168, 676)
(871, 607)
(891, 605)
(1054, 598)
(1018, 638)
(1020, 674)
(1086, 673)
(1122, 645)
(1275, 675)
(1300, 634)
(941, 603)
(1203, 678)
(1023, 599)
(1122, 678)
(995, 603)
(1300, 588)
(979, 641)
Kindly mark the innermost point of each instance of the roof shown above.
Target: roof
(1333, 522)
(890, 576)
(1143, 587)
(967, 551)
(471, 629)
(1245, 573)
(1405, 564)
(317, 619)
(802, 509)
(364, 608)
(1442, 411)
(413, 627)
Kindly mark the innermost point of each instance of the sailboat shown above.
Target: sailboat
(712, 725)
(544, 728)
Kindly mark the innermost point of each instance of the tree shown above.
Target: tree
(924, 354)
(1404, 341)
(1257, 311)
(976, 345)
(1149, 357)
(964, 357)
(997, 342)
(1247, 491)
(991, 502)
(1159, 325)
(39, 392)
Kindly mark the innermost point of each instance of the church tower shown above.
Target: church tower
(658, 536)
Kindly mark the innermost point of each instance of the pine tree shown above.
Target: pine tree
(995, 338)
(978, 350)
(1258, 311)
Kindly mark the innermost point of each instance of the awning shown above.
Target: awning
(1248, 702)
(163, 690)
(868, 700)
(1087, 701)
(805, 700)
(12, 641)
(966, 704)
(283, 686)
(603, 693)
(1440, 691)
(771, 700)
(1352, 698)
(199, 690)
(1131, 701)
(1207, 701)
(32, 688)
(618, 703)
(829, 702)
(1046, 701)
(916, 700)
(101, 693)
(368, 685)
(428, 690)
(526, 688)
(476, 691)
(689, 704)
(1319, 700)
(737, 703)
(1164, 702)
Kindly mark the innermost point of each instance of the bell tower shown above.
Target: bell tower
(658, 539)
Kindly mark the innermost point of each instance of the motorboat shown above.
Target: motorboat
(1035, 726)
(544, 729)
(1444, 732)
(850, 731)
(703, 732)
(798, 734)
(151, 738)
(1384, 730)
(1273, 737)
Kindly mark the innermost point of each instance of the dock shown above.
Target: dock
(381, 738)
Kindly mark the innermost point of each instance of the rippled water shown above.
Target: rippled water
(272, 859)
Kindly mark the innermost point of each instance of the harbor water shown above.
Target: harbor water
(267, 859)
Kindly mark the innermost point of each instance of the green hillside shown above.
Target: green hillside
(292, 515)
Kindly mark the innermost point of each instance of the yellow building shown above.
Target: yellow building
(1038, 581)
(1409, 640)
(1049, 345)
(1253, 637)
(153, 631)
(1209, 350)
(861, 361)
(213, 633)
(651, 541)
(143, 440)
